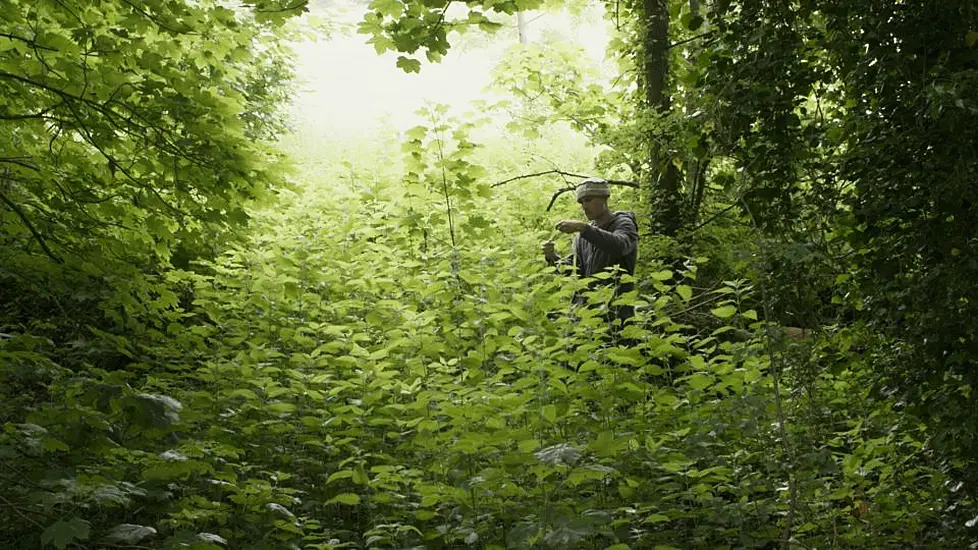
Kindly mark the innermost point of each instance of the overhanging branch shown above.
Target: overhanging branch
(30, 227)
(690, 39)
(558, 172)
(560, 192)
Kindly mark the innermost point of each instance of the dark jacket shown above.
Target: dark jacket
(612, 244)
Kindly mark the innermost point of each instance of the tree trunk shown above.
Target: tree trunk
(521, 27)
(666, 194)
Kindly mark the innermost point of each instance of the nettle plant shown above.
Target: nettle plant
(352, 378)
(449, 395)
(337, 382)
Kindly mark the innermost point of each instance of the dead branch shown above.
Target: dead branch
(558, 172)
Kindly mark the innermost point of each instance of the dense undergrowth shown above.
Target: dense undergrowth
(196, 353)
(347, 378)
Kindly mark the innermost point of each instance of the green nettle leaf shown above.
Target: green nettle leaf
(350, 499)
(342, 474)
(62, 533)
(360, 476)
(699, 381)
(724, 312)
(656, 518)
(549, 413)
(685, 292)
(279, 509)
(128, 533)
(663, 275)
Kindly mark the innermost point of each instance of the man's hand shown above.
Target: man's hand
(570, 226)
(548, 252)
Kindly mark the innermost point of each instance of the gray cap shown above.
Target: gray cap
(593, 187)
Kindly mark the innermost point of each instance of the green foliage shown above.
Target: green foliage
(408, 26)
(549, 83)
(391, 364)
(130, 138)
(417, 393)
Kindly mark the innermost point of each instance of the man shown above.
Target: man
(610, 239)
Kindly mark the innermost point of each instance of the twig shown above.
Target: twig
(23, 162)
(559, 172)
(39, 114)
(33, 43)
(557, 194)
(573, 187)
(17, 511)
(714, 217)
(690, 39)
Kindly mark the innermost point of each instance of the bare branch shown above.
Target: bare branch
(561, 191)
(690, 39)
(30, 226)
(557, 194)
(32, 43)
(714, 217)
(559, 172)
(27, 116)
(23, 162)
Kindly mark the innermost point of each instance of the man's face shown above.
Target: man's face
(593, 207)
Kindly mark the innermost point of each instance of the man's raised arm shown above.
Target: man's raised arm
(620, 241)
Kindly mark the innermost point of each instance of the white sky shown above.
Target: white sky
(349, 89)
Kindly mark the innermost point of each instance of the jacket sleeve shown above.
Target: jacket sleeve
(619, 242)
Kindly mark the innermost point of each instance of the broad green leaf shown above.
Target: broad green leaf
(62, 533)
(128, 533)
(685, 292)
(345, 498)
(656, 518)
(699, 381)
(212, 538)
(342, 474)
(360, 476)
(663, 275)
(724, 312)
(408, 65)
(390, 8)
